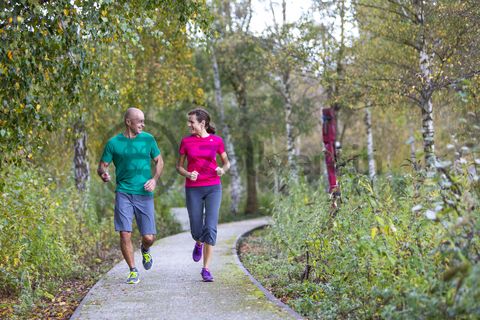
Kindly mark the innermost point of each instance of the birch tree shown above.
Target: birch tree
(370, 149)
(419, 48)
(282, 63)
(238, 60)
(235, 186)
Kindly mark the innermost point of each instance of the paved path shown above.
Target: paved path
(181, 216)
(173, 289)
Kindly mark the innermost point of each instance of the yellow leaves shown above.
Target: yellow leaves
(199, 92)
(48, 295)
(305, 199)
(10, 55)
(60, 27)
(16, 262)
(10, 20)
(66, 12)
(17, 86)
(38, 107)
(104, 13)
(374, 232)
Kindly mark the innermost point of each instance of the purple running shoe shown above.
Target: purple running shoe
(206, 275)
(197, 252)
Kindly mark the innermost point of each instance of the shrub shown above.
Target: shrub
(407, 248)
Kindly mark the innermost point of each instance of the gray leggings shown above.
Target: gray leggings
(199, 200)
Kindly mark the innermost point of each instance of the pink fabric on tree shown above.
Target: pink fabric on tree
(329, 136)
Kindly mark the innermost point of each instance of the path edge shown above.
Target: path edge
(267, 293)
(76, 313)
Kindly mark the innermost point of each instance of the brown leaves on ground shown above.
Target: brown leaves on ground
(68, 296)
(6, 307)
(65, 301)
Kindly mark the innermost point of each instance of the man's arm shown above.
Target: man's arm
(152, 183)
(158, 167)
(102, 171)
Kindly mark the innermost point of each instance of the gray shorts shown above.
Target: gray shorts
(128, 205)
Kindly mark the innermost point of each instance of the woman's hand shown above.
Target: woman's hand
(220, 171)
(193, 175)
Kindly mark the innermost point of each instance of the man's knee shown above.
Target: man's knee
(148, 239)
(125, 235)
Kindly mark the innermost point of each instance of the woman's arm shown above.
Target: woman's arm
(182, 171)
(226, 164)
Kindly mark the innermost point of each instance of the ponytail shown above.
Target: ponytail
(211, 128)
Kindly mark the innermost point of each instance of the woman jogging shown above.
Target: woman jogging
(203, 188)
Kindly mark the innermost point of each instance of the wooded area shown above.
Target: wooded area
(403, 77)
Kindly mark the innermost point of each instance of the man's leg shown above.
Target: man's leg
(123, 224)
(145, 216)
(147, 241)
(127, 248)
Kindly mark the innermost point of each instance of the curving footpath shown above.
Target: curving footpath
(173, 289)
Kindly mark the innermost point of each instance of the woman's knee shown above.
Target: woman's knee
(210, 235)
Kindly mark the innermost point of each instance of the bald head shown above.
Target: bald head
(134, 121)
(133, 113)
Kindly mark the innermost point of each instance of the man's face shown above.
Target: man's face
(136, 122)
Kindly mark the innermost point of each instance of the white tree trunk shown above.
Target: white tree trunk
(235, 185)
(80, 160)
(291, 151)
(428, 134)
(413, 152)
(370, 153)
(426, 92)
(276, 178)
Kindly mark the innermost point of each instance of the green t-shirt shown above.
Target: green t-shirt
(132, 159)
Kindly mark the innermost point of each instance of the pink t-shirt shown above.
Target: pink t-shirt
(202, 157)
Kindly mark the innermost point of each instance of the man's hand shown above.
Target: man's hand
(105, 177)
(150, 185)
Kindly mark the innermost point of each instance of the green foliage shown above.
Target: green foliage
(45, 230)
(53, 57)
(399, 250)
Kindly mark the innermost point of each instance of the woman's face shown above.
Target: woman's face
(195, 126)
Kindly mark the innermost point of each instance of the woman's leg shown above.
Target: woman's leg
(209, 235)
(195, 211)
(207, 255)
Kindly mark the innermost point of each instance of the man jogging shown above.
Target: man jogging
(132, 152)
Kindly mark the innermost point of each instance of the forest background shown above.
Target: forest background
(402, 77)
